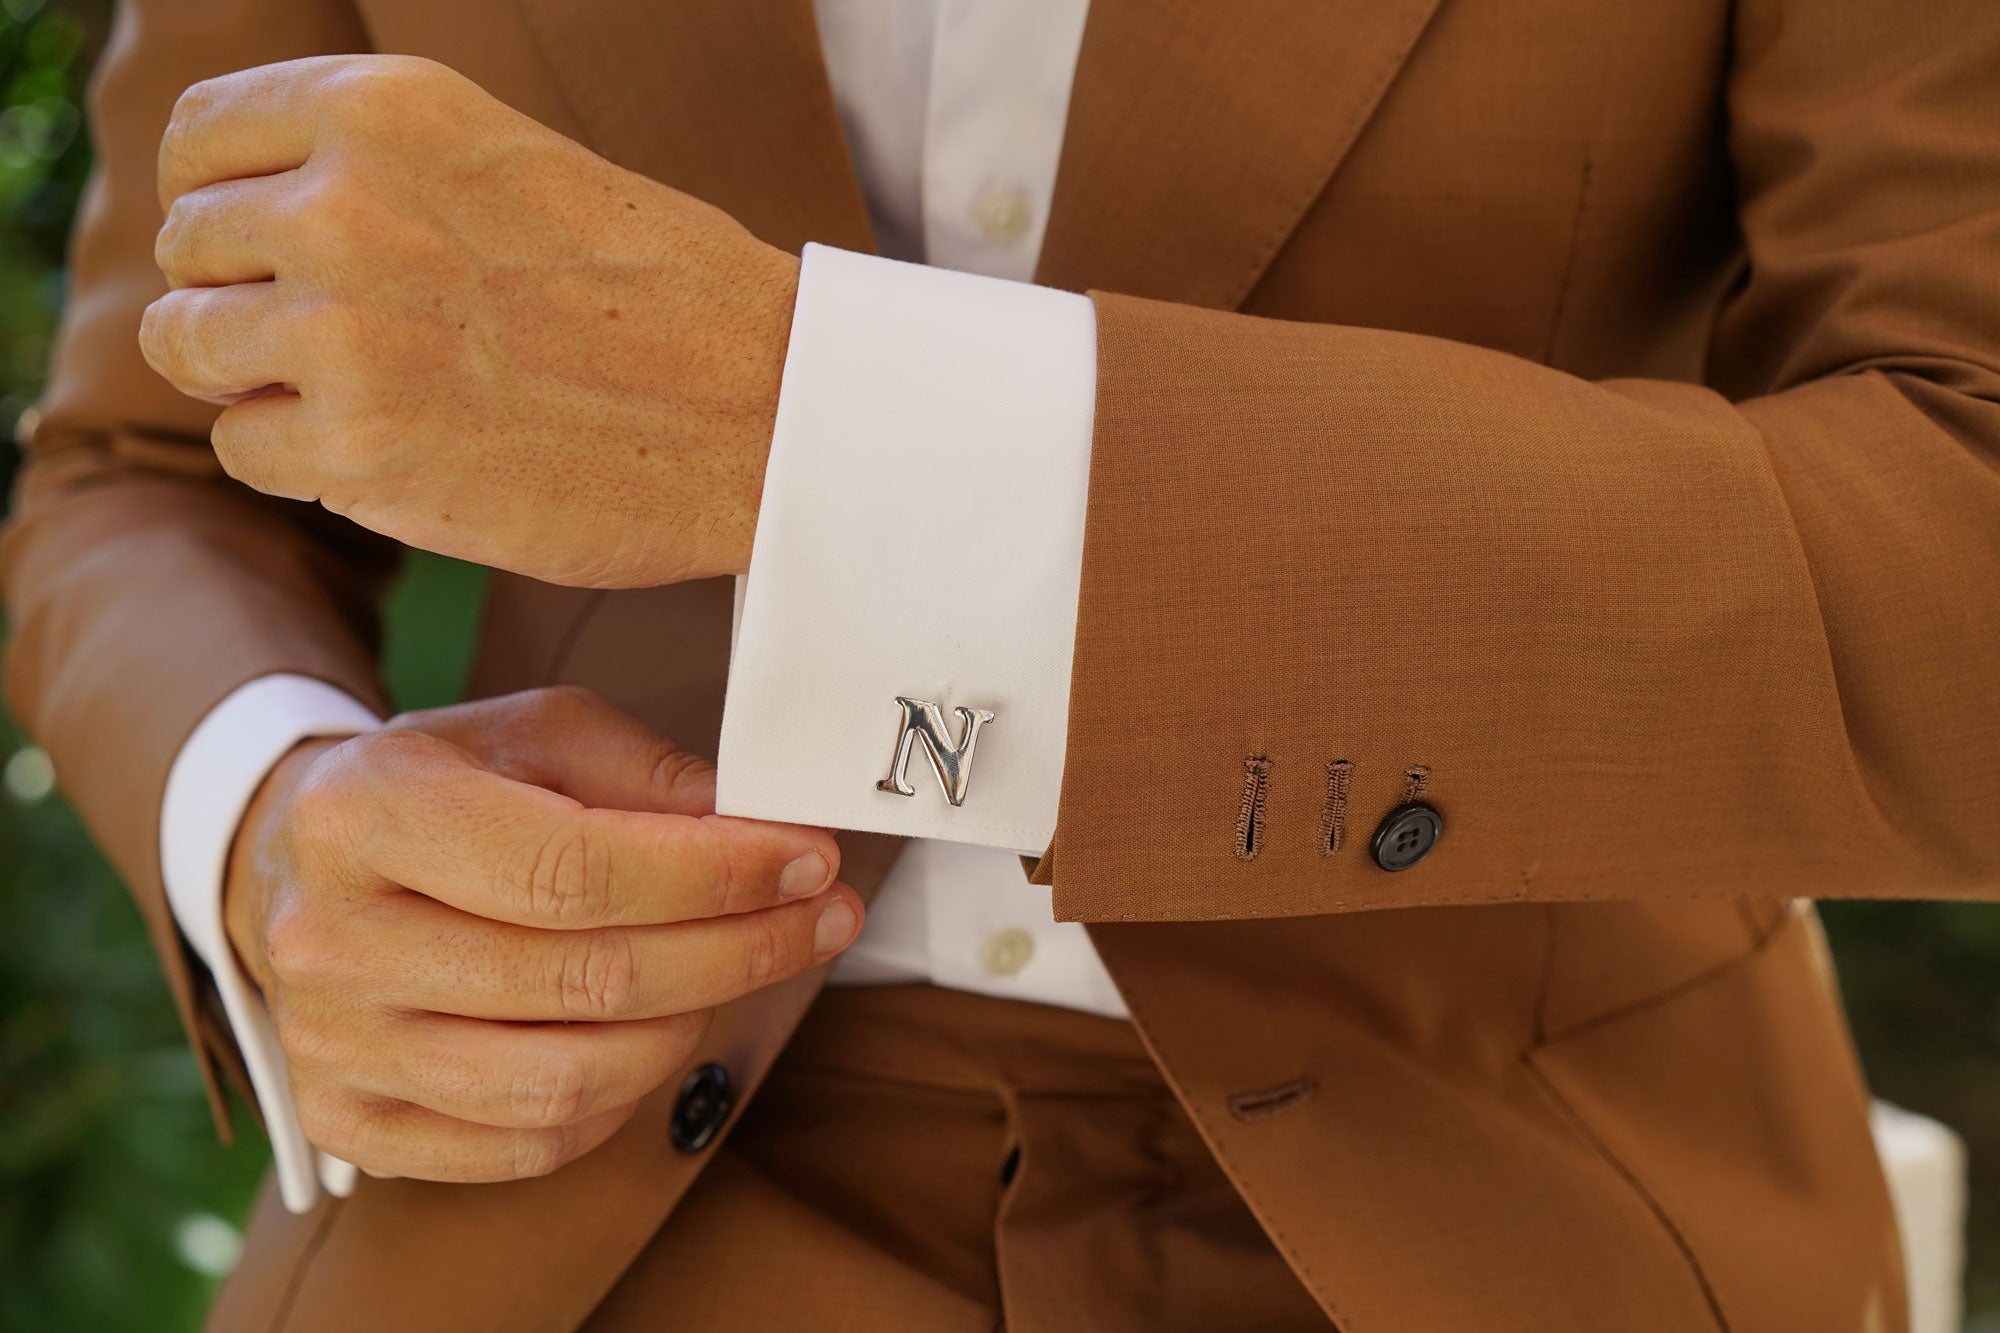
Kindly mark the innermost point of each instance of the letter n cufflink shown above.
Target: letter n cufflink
(950, 759)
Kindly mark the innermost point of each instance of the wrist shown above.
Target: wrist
(255, 856)
(772, 288)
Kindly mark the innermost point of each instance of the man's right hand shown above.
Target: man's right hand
(487, 931)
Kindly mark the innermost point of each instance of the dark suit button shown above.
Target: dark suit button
(703, 1105)
(1407, 836)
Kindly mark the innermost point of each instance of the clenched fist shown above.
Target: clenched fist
(463, 330)
(486, 932)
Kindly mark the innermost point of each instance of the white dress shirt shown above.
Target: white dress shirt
(920, 535)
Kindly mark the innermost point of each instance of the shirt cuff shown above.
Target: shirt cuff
(920, 538)
(210, 785)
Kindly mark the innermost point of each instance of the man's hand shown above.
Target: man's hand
(487, 932)
(463, 330)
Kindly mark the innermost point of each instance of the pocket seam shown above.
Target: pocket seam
(1574, 1119)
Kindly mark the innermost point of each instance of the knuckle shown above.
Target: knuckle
(317, 1117)
(352, 451)
(391, 745)
(567, 882)
(686, 1035)
(392, 766)
(674, 767)
(533, 1153)
(195, 99)
(731, 889)
(160, 336)
(188, 324)
(549, 1094)
(353, 95)
(170, 245)
(315, 1053)
(333, 206)
(561, 703)
(184, 122)
(600, 976)
(381, 91)
(322, 815)
(334, 1123)
(246, 458)
(715, 896)
(168, 336)
(375, 755)
(766, 956)
(429, 721)
(302, 953)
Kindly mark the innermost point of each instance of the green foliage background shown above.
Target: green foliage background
(106, 1151)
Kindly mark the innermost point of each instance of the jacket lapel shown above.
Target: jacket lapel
(725, 99)
(1199, 133)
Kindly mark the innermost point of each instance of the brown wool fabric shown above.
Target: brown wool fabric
(1594, 404)
(864, 1189)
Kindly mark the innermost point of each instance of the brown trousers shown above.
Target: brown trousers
(927, 1159)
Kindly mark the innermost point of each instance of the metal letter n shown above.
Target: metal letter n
(951, 759)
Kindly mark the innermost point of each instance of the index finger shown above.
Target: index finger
(256, 122)
(512, 852)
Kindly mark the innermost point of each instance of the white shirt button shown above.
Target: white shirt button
(1001, 214)
(1006, 951)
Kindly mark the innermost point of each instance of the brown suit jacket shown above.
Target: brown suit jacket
(1588, 407)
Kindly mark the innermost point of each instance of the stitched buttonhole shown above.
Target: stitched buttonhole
(1333, 819)
(1260, 1103)
(1250, 816)
(1413, 788)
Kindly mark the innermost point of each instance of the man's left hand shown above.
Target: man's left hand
(463, 330)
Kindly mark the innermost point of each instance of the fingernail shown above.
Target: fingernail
(835, 928)
(807, 875)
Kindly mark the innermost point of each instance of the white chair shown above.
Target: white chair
(1925, 1164)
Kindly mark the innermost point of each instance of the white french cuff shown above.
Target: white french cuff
(213, 779)
(920, 538)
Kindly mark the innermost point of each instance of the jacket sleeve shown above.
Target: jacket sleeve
(142, 584)
(1631, 639)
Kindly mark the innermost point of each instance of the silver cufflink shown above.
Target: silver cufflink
(951, 759)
